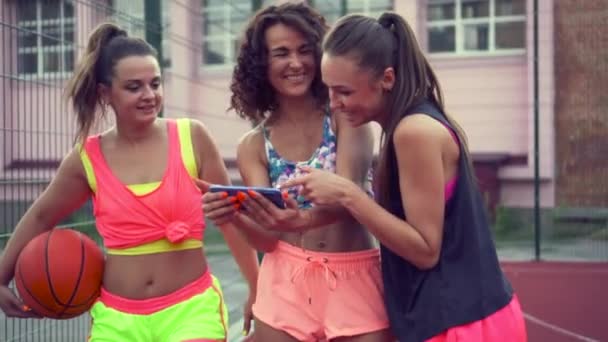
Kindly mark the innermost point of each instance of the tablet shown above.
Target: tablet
(272, 194)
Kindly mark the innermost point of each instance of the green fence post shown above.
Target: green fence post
(537, 223)
(256, 5)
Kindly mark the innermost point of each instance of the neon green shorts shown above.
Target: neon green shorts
(202, 317)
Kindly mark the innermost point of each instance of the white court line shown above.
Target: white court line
(561, 271)
(235, 331)
(557, 329)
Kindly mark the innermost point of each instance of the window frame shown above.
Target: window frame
(367, 7)
(132, 17)
(226, 36)
(35, 27)
(459, 23)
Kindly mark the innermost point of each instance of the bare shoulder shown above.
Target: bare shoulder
(198, 130)
(251, 143)
(73, 161)
(206, 151)
(202, 140)
(71, 165)
(417, 129)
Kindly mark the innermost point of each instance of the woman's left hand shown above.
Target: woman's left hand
(322, 187)
(268, 215)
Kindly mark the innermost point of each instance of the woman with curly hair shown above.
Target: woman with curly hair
(320, 277)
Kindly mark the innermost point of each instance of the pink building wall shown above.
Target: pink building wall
(193, 91)
(518, 187)
(491, 96)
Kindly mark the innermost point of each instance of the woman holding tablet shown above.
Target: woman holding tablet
(320, 277)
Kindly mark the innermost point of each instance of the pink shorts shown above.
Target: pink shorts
(313, 295)
(506, 324)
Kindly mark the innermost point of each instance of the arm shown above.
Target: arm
(213, 170)
(67, 191)
(254, 172)
(353, 160)
(423, 148)
(419, 143)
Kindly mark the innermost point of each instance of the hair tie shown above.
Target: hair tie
(386, 21)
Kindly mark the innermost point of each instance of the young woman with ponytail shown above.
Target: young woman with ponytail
(142, 175)
(442, 278)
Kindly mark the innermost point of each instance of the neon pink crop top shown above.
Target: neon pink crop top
(173, 211)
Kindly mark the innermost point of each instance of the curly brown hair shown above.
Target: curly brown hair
(253, 97)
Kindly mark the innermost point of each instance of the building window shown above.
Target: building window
(223, 23)
(45, 44)
(469, 27)
(334, 9)
(130, 14)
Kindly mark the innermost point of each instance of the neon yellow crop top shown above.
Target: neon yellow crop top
(163, 245)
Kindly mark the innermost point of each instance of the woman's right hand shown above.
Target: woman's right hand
(12, 306)
(217, 206)
(271, 217)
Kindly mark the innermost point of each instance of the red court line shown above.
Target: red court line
(570, 297)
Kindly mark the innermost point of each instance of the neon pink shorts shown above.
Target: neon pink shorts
(313, 295)
(506, 324)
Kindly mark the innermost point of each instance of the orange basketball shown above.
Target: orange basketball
(58, 274)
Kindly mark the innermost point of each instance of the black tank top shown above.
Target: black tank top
(467, 283)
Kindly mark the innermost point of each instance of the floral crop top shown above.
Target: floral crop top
(324, 157)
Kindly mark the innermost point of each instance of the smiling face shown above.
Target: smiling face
(355, 92)
(291, 61)
(136, 92)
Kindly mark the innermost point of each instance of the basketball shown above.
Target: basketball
(58, 274)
